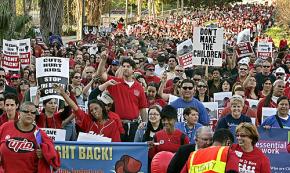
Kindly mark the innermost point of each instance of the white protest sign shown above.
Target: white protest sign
(184, 53)
(207, 46)
(212, 108)
(50, 71)
(221, 98)
(24, 52)
(10, 60)
(264, 50)
(88, 137)
(55, 134)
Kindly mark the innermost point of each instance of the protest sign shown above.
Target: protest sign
(244, 36)
(55, 134)
(10, 60)
(102, 157)
(24, 52)
(222, 98)
(90, 137)
(184, 53)
(208, 46)
(50, 71)
(244, 49)
(212, 109)
(264, 50)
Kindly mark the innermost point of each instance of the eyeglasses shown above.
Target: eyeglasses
(151, 69)
(26, 111)
(265, 66)
(2, 76)
(14, 78)
(243, 69)
(206, 139)
(201, 86)
(185, 88)
(241, 135)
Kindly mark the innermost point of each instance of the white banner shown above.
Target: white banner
(207, 46)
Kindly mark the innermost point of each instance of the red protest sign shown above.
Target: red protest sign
(244, 49)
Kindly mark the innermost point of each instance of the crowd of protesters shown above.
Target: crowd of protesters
(137, 91)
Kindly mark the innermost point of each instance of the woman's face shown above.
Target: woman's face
(151, 92)
(96, 111)
(252, 82)
(267, 85)
(192, 118)
(236, 109)
(76, 80)
(201, 87)
(243, 139)
(226, 86)
(24, 86)
(51, 105)
(154, 116)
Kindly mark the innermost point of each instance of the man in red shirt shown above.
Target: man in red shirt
(149, 74)
(128, 95)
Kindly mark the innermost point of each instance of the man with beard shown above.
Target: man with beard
(128, 95)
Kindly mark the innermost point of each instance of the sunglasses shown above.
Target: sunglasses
(201, 86)
(279, 74)
(243, 69)
(185, 88)
(24, 83)
(2, 76)
(265, 66)
(179, 70)
(25, 111)
(151, 69)
(77, 77)
(14, 78)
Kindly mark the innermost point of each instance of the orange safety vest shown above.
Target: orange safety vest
(208, 160)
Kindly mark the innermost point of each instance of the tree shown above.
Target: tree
(12, 26)
(283, 13)
(51, 17)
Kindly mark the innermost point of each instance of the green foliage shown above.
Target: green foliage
(277, 33)
(11, 25)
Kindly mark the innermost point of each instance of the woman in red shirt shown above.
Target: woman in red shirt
(251, 158)
(97, 121)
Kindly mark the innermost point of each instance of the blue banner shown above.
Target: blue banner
(90, 157)
(273, 143)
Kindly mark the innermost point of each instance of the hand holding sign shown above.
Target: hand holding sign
(104, 55)
(58, 89)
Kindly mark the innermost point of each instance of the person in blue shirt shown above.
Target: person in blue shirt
(235, 117)
(187, 100)
(281, 119)
(190, 125)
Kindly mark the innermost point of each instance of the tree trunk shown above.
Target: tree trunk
(51, 16)
(139, 11)
(182, 6)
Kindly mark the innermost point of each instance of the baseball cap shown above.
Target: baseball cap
(115, 62)
(106, 98)
(244, 61)
(280, 70)
(15, 76)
